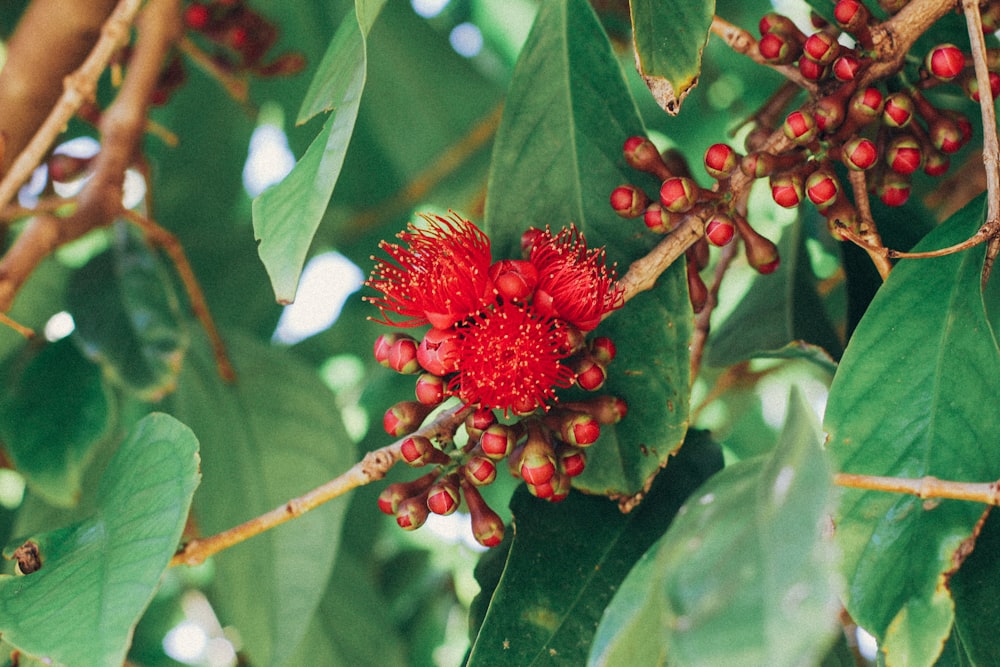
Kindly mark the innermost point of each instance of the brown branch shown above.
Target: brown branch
(742, 42)
(371, 468)
(121, 127)
(867, 228)
(924, 487)
(991, 148)
(703, 321)
(643, 272)
(161, 238)
(893, 38)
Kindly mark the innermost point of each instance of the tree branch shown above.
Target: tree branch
(924, 487)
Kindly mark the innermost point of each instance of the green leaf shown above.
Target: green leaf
(976, 590)
(98, 575)
(669, 38)
(286, 216)
(270, 437)
(54, 409)
(128, 317)
(557, 157)
(743, 575)
(907, 401)
(778, 310)
(567, 560)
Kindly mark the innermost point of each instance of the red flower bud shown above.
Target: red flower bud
(659, 220)
(821, 48)
(866, 105)
(946, 135)
(515, 279)
(894, 190)
(537, 462)
(774, 22)
(859, 154)
(778, 49)
(404, 417)
(786, 189)
(898, 110)
(382, 346)
(845, 68)
(443, 497)
(679, 194)
(487, 526)
(572, 460)
(936, 164)
(580, 429)
(822, 188)
(412, 512)
(761, 253)
(629, 201)
(849, 13)
(498, 441)
(830, 113)
(64, 168)
(477, 422)
(528, 238)
(439, 351)
(197, 16)
(904, 155)
(402, 355)
(720, 160)
(641, 154)
(392, 495)
(603, 350)
(479, 470)
(945, 62)
(430, 389)
(590, 375)
(971, 86)
(800, 127)
(812, 70)
(605, 409)
(555, 490)
(720, 229)
(420, 451)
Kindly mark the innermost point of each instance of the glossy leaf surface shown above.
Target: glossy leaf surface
(98, 575)
(742, 576)
(927, 350)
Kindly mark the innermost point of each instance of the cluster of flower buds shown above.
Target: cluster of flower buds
(504, 335)
(546, 451)
(244, 36)
(889, 134)
(680, 196)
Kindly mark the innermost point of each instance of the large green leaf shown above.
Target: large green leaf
(272, 436)
(128, 317)
(976, 590)
(286, 216)
(54, 409)
(669, 38)
(908, 401)
(743, 576)
(558, 155)
(98, 575)
(567, 560)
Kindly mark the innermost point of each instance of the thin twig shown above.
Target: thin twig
(160, 237)
(371, 468)
(703, 320)
(643, 272)
(79, 88)
(743, 42)
(867, 229)
(979, 237)
(924, 487)
(238, 88)
(991, 148)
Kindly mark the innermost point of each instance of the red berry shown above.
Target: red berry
(800, 127)
(629, 201)
(821, 48)
(197, 16)
(720, 160)
(821, 187)
(904, 155)
(860, 153)
(786, 190)
(720, 230)
(945, 62)
(678, 194)
(898, 110)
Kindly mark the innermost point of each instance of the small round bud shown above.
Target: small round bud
(605, 409)
(572, 460)
(392, 495)
(904, 155)
(590, 375)
(64, 168)
(846, 67)
(579, 429)
(945, 62)
(382, 345)
(800, 127)
(830, 113)
(528, 239)
(774, 22)
(487, 526)
(438, 351)
(641, 154)
(420, 451)
(894, 190)
(197, 16)
(603, 350)
(786, 189)
(555, 490)
(936, 163)
(477, 422)
(850, 13)
(536, 464)
(866, 105)
(443, 497)
(659, 220)
(412, 512)
(402, 356)
(719, 230)
(430, 389)
(778, 49)
(821, 48)
(498, 441)
(859, 154)
(629, 201)
(946, 135)
(515, 279)
(822, 188)
(679, 194)
(720, 160)
(812, 70)
(898, 110)
(404, 418)
(479, 470)
(971, 86)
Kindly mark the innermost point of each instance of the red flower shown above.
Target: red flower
(440, 275)
(509, 359)
(574, 283)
